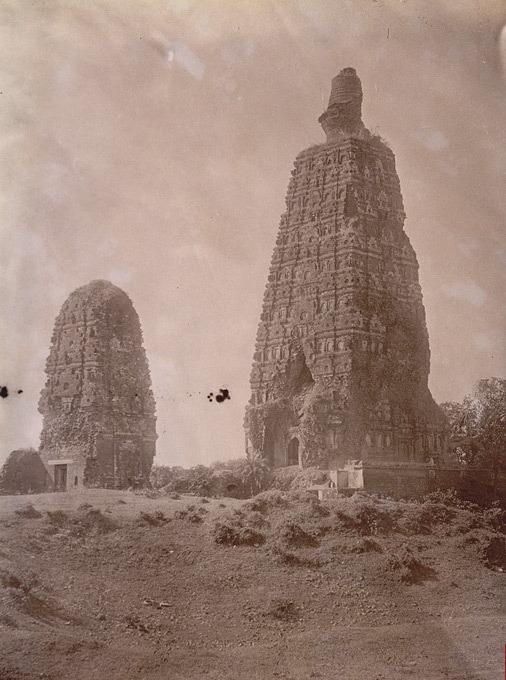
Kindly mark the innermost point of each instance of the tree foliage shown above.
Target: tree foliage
(255, 473)
(241, 477)
(478, 426)
(195, 480)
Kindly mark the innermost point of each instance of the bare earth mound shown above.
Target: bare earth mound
(108, 584)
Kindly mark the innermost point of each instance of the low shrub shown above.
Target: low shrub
(495, 518)
(294, 478)
(10, 580)
(91, 522)
(28, 512)
(225, 534)
(283, 610)
(409, 568)
(494, 553)
(290, 559)
(450, 498)
(317, 508)
(265, 501)
(194, 517)
(190, 514)
(294, 536)
(57, 518)
(414, 520)
(365, 545)
(239, 528)
(28, 595)
(433, 512)
(489, 546)
(367, 515)
(153, 519)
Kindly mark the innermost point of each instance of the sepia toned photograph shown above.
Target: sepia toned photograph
(253, 347)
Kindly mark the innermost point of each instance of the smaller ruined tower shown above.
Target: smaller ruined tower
(98, 407)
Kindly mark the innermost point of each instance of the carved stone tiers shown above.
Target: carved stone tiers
(98, 407)
(341, 363)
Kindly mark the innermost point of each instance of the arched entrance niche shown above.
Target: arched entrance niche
(292, 453)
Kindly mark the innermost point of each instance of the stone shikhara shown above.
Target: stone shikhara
(342, 359)
(341, 365)
(98, 407)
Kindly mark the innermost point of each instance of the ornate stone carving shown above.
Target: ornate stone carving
(98, 407)
(349, 339)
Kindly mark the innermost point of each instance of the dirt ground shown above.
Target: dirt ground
(109, 585)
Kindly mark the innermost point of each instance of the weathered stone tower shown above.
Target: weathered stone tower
(341, 364)
(98, 408)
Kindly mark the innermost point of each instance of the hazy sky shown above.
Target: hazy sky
(150, 143)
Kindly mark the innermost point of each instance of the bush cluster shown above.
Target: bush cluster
(89, 521)
(239, 528)
(219, 479)
(409, 567)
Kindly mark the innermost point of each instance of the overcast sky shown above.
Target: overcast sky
(150, 143)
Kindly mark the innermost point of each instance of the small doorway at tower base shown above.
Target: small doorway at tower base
(60, 477)
(292, 452)
(60, 469)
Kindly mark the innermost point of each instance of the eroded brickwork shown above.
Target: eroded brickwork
(342, 357)
(98, 407)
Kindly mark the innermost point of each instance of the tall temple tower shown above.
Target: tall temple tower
(341, 364)
(97, 403)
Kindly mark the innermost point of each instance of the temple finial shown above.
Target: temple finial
(344, 112)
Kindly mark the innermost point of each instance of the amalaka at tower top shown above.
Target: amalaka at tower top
(344, 112)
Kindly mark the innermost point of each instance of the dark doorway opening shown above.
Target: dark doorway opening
(292, 454)
(60, 477)
(232, 490)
